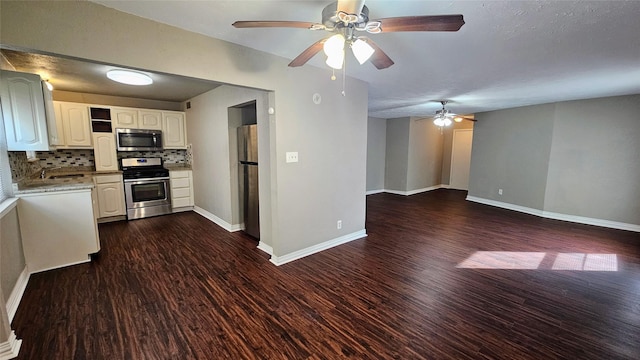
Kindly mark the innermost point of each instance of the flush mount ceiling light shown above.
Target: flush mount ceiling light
(129, 77)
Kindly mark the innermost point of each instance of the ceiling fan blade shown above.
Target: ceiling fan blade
(306, 55)
(422, 23)
(350, 6)
(272, 24)
(466, 118)
(379, 59)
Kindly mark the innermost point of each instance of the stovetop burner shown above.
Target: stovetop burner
(142, 168)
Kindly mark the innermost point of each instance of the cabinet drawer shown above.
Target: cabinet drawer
(180, 192)
(181, 202)
(175, 174)
(180, 183)
(103, 179)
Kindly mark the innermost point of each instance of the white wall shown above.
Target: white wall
(511, 152)
(308, 197)
(575, 160)
(12, 261)
(594, 167)
(215, 165)
(397, 154)
(425, 155)
(376, 153)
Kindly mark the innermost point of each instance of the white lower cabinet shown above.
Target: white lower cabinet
(110, 195)
(58, 228)
(181, 189)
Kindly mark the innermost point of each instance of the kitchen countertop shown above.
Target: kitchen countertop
(177, 166)
(59, 179)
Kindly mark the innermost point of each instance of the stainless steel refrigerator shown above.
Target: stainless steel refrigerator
(248, 176)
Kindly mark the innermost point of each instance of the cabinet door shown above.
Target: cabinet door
(150, 119)
(23, 111)
(110, 199)
(104, 149)
(75, 122)
(57, 138)
(174, 130)
(125, 118)
(181, 188)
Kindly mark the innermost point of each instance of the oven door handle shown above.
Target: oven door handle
(147, 179)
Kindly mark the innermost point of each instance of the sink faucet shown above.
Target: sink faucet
(43, 174)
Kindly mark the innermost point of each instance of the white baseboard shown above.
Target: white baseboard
(417, 191)
(558, 216)
(223, 224)
(266, 248)
(371, 192)
(10, 348)
(61, 266)
(504, 205)
(16, 293)
(281, 260)
(181, 209)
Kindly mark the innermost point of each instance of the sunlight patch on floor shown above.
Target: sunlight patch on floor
(503, 260)
(586, 262)
(519, 260)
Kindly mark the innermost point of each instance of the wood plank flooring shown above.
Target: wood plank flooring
(180, 287)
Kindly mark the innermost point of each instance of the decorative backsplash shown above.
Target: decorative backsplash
(21, 168)
(176, 156)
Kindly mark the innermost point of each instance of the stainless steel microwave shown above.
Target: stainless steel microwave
(138, 140)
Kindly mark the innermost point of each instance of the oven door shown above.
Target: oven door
(140, 193)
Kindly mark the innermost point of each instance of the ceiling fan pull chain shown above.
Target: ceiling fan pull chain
(344, 76)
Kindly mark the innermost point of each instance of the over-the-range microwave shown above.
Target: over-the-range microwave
(138, 140)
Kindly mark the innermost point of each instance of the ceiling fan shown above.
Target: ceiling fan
(445, 117)
(347, 18)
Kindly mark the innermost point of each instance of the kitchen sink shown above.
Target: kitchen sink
(66, 176)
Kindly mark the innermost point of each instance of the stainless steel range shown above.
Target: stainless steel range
(146, 187)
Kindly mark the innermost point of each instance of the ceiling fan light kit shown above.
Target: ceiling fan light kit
(344, 18)
(334, 49)
(445, 117)
(361, 50)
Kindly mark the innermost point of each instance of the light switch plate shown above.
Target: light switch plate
(292, 156)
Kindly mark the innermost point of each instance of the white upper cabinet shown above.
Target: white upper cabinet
(150, 119)
(104, 150)
(174, 130)
(23, 110)
(124, 118)
(76, 125)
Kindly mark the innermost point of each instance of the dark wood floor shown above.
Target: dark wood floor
(180, 287)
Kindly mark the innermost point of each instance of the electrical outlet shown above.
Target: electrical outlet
(339, 224)
(292, 156)
(499, 191)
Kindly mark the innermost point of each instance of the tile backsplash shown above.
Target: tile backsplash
(176, 156)
(22, 168)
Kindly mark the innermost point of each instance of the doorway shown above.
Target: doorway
(243, 151)
(461, 159)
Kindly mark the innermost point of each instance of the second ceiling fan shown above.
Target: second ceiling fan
(347, 18)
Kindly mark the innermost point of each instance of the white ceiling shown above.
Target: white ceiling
(66, 74)
(508, 54)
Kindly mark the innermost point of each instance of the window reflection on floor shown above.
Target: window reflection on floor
(534, 260)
